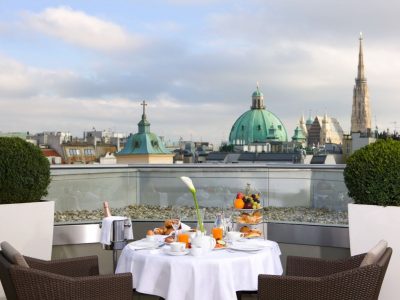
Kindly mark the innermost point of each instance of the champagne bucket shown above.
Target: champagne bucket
(119, 234)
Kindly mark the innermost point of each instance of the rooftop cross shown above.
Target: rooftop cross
(144, 106)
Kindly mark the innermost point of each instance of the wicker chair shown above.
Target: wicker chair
(315, 279)
(74, 278)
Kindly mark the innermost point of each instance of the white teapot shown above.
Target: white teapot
(205, 242)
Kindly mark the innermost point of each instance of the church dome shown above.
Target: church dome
(144, 142)
(257, 125)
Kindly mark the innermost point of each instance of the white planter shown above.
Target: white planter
(29, 228)
(368, 224)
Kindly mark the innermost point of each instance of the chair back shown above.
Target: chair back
(5, 278)
(383, 263)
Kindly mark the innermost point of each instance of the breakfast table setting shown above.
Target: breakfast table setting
(176, 262)
(198, 269)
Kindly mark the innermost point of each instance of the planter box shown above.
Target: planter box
(368, 224)
(29, 228)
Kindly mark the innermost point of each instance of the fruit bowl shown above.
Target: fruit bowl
(247, 200)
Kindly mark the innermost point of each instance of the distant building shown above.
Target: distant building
(96, 137)
(324, 130)
(53, 140)
(108, 159)
(144, 147)
(361, 111)
(53, 157)
(78, 153)
(299, 138)
(253, 158)
(257, 125)
(361, 133)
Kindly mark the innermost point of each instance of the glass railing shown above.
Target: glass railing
(290, 193)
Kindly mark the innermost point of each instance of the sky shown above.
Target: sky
(77, 65)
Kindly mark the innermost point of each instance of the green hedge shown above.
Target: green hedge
(372, 174)
(24, 171)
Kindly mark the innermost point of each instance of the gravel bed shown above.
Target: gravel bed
(156, 213)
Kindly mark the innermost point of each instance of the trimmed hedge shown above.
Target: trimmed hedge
(24, 171)
(372, 174)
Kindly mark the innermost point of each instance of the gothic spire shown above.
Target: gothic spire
(361, 111)
(360, 74)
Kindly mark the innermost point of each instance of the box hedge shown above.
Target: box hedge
(372, 174)
(24, 171)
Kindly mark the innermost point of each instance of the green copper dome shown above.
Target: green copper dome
(257, 125)
(143, 142)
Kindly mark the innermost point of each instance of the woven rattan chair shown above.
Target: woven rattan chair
(74, 278)
(316, 279)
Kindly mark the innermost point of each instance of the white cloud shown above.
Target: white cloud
(78, 28)
(14, 77)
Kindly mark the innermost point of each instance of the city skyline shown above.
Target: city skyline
(74, 66)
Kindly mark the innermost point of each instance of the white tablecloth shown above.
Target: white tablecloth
(215, 275)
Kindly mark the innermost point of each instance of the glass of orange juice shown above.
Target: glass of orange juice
(184, 238)
(217, 233)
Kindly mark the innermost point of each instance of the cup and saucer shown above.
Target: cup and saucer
(177, 249)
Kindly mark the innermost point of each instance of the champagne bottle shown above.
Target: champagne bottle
(106, 210)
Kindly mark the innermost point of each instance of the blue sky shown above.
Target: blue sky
(72, 66)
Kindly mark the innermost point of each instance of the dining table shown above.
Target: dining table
(215, 274)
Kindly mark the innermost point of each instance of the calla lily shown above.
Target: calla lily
(189, 184)
(192, 189)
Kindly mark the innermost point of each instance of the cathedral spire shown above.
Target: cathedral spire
(361, 111)
(360, 74)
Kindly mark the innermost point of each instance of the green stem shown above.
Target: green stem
(196, 205)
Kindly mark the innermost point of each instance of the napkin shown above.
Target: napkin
(184, 227)
(106, 229)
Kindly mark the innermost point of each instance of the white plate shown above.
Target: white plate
(144, 244)
(177, 253)
(244, 247)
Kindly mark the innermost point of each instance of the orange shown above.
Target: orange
(238, 203)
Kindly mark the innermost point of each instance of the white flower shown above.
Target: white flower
(189, 184)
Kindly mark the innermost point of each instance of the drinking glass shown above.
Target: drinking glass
(175, 220)
(228, 223)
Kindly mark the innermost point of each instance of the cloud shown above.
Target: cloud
(78, 28)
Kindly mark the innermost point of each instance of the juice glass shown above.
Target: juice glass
(184, 238)
(217, 233)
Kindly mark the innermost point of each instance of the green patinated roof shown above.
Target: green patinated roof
(309, 121)
(257, 125)
(298, 135)
(144, 143)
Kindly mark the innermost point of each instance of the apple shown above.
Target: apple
(240, 195)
